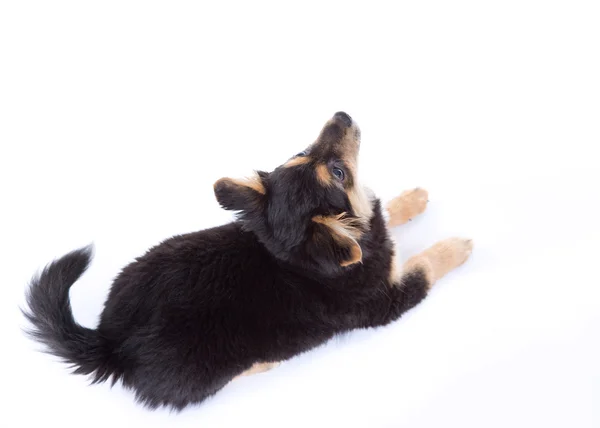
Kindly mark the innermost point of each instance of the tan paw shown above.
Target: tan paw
(409, 204)
(448, 254)
(441, 258)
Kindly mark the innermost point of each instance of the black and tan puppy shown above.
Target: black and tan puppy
(309, 256)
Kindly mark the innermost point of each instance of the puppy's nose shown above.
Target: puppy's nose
(343, 118)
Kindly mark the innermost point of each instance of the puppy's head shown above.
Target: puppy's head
(311, 211)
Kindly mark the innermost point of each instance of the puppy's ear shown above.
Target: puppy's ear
(246, 194)
(335, 241)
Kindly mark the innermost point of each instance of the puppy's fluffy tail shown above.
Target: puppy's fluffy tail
(49, 312)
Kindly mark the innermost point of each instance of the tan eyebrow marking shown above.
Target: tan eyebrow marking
(301, 160)
(323, 175)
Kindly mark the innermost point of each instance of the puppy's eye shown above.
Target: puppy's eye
(303, 153)
(339, 173)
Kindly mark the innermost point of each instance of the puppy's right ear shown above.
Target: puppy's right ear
(334, 243)
(244, 195)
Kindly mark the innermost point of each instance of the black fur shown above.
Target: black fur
(198, 309)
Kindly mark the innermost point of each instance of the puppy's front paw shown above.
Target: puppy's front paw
(448, 254)
(441, 258)
(409, 204)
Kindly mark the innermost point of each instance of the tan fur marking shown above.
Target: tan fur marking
(359, 199)
(253, 182)
(355, 256)
(346, 232)
(441, 258)
(395, 271)
(258, 368)
(341, 225)
(406, 206)
(297, 161)
(361, 204)
(323, 175)
(348, 147)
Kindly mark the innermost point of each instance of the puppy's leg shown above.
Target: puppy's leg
(409, 204)
(410, 285)
(258, 368)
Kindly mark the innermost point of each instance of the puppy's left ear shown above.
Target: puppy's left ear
(246, 194)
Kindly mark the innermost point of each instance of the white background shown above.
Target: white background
(116, 117)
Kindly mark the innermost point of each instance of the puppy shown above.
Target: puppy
(309, 256)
